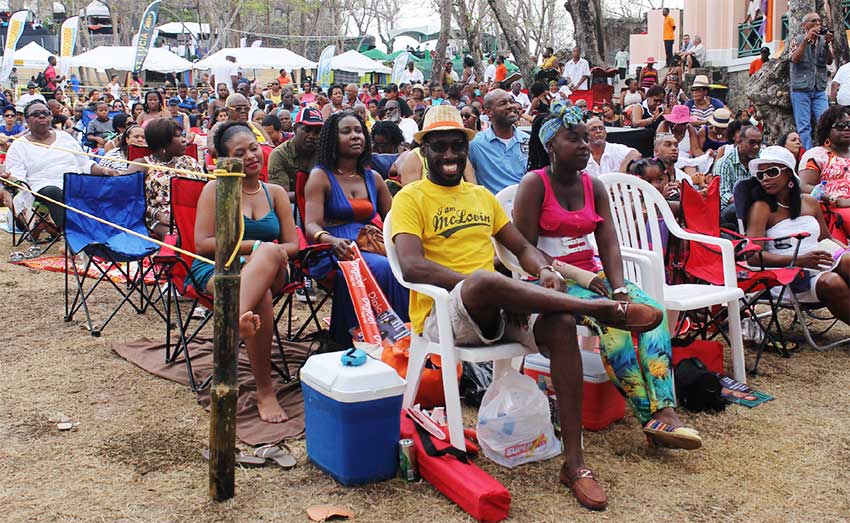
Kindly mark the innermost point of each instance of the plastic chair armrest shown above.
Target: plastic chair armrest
(651, 269)
(438, 294)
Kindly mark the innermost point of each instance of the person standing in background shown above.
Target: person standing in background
(669, 35)
(811, 53)
(621, 61)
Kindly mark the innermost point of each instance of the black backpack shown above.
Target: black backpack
(697, 388)
(41, 80)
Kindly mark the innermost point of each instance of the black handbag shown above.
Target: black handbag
(697, 388)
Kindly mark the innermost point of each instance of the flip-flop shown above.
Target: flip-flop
(665, 435)
(280, 454)
(241, 459)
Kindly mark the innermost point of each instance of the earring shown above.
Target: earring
(790, 185)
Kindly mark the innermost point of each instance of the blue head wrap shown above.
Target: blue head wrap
(567, 116)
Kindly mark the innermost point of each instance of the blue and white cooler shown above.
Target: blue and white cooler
(352, 416)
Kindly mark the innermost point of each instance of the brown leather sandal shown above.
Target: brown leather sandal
(585, 487)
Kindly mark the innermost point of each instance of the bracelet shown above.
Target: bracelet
(549, 267)
(319, 235)
(256, 245)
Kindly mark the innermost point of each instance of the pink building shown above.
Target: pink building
(730, 41)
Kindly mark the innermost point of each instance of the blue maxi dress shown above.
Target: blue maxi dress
(340, 222)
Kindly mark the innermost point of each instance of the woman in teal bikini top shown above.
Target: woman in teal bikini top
(270, 239)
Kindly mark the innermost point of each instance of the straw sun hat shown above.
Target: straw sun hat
(442, 118)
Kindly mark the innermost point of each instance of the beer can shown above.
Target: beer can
(407, 460)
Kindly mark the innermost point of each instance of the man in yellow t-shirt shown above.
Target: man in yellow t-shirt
(443, 228)
(669, 34)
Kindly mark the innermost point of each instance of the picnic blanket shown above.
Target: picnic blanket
(250, 429)
(57, 264)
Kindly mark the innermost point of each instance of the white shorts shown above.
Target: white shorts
(467, 332)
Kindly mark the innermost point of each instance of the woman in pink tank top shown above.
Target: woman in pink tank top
(558, 205)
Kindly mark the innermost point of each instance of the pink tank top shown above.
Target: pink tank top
(568, 229)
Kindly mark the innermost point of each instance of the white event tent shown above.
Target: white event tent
(121, 58)
(32, 56)
(355, 62)
(257, 58)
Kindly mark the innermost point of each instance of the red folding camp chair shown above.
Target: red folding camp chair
(135, 152)
(701, 214)
(185, 193)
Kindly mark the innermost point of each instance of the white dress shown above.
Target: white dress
(803, 288)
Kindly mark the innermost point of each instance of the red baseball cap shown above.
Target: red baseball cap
(309, 116)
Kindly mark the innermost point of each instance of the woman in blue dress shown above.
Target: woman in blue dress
(342, 196)
(269, 241)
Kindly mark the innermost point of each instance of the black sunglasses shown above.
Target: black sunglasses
(441, 147)
(841, 126)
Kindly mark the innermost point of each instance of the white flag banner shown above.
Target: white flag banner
(16, 28)
(68, 41)
(398, 67)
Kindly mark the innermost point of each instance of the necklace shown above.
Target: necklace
(346, 175)
(783, 205)
(249, 193)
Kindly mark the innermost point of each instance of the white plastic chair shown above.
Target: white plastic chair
(500, 354)
(629, 196)
(643, 268)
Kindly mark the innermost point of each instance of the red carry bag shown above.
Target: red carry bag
(451, 472)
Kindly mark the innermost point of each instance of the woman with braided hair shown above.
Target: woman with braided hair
(343, 196)
(558, 205)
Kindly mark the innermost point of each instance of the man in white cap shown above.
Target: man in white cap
(443, 229)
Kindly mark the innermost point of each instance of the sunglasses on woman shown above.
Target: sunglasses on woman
(841, 126)
(769, 173)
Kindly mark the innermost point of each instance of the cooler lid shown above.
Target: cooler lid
(591, 362)
(373, 380)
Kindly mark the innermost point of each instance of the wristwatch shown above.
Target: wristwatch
(620, 290)
(549, 267)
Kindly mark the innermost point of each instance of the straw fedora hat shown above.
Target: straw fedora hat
(701, 80)
(720, 118)
(442, 118)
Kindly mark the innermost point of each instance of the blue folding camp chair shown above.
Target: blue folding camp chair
(119, 200)
(83, 124)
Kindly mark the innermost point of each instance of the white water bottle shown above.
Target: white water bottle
(819, 191)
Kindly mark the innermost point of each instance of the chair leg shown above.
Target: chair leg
(415, 364)
(500, 367)
(736, 341)
(454, 415)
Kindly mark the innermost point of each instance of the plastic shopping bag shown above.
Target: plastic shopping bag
(513, 422)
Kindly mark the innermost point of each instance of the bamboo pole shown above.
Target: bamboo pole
(225, 386)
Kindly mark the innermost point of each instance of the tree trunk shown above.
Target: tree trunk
(589, 33)
(439, 60)
(471, 32)
(840, 48)
(769, 90)
(518, 47)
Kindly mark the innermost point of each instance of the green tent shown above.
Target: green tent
(376, 54)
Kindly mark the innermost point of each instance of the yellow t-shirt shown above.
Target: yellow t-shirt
(455, 225)
(550, 63)
(669, 28)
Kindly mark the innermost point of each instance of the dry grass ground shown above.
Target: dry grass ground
(136, 454)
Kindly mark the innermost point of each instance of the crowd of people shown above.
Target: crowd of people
(436, 154)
